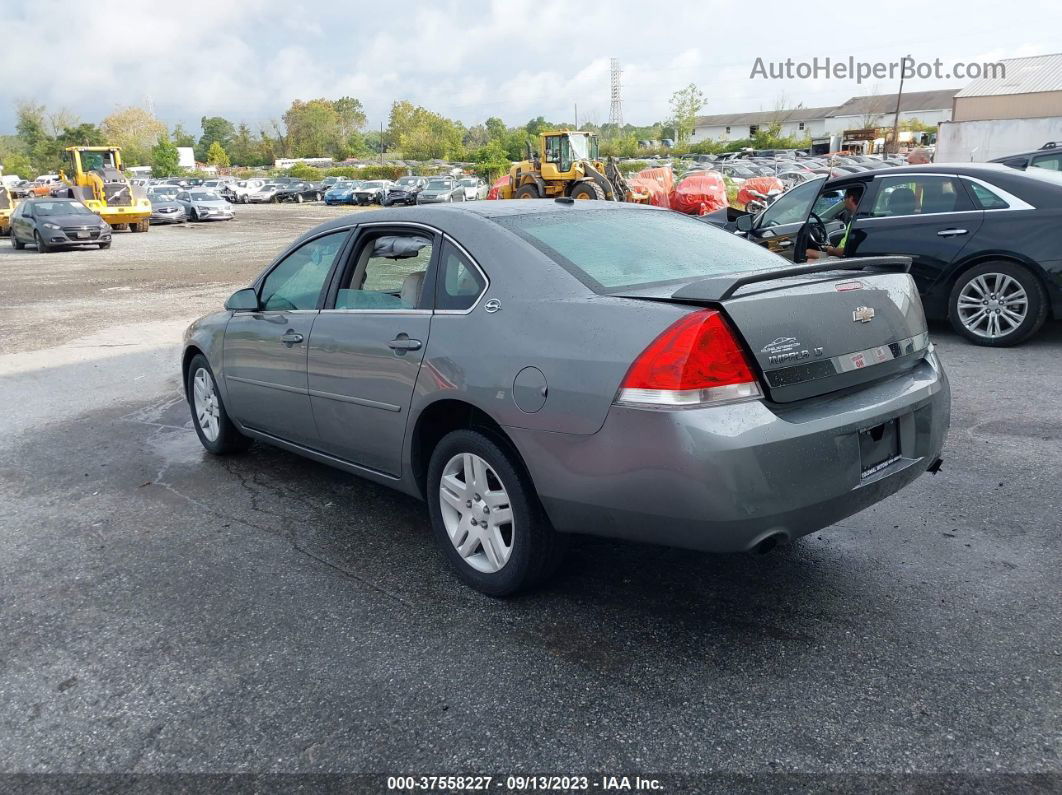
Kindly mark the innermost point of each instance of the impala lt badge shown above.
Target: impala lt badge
(862, 314)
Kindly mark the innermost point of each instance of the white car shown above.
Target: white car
(474, 188)
(239, 190)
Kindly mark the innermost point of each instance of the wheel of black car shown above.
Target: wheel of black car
(486, 516)
(317, 197)
(526, 192)
(193, 215)
(42, 247)
(212, 424)
(997, 304)
(588, 190)
(298, 198)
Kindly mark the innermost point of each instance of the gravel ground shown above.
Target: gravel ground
(165, 611)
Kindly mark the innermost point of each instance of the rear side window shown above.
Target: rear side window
(459, 283)
(616, 249)
(919, 195)
(986, 198)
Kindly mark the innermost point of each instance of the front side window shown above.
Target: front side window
(792, 207)
(922, 195)
(1052, 162)
(296, 283)
(388, 273)
(460, 284)
(621, 248)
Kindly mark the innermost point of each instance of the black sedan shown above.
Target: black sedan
(299, 192)
(51, 224)
(405, 191)
(985, 240)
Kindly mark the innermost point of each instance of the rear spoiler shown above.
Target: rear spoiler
(720, 288)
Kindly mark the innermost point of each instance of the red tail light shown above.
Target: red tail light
(695, 361)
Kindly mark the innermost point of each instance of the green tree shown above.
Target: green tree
(242, 149)
(313, 129)
(491, 160)
(216, 155)
(17, 163)
(351, 116)
(496, 130)
(182, 137)
(686, 103)
(421, 134)
(216, 129)
(30, 125)
(135, 130)
(165, 159)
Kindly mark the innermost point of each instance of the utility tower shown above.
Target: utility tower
(615, 111)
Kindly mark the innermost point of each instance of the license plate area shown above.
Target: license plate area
(879, 447)
(82, 235)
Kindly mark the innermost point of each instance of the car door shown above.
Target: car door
(21, 220)
(265, 349)
(928, 217)
(368, 343)
(777, 227)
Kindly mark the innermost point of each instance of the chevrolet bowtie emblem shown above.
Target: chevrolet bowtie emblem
(862, 314)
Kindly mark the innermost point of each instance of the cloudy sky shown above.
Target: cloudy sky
(247, 59)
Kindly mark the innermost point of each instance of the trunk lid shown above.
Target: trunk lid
(817, 330)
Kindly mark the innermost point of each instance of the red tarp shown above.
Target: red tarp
(495, 188)
(700, 194)
(662, 174)
(762, 184)
(657, 194)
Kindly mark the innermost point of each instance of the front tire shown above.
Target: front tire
(997, 304)
(42, 247)
(527, 192)
(211, 421)
(588, 190)
(16, 244)
(486, 516)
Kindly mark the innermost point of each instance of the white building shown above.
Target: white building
(879, 110)
(796, 122)
(1018, 111)
(929, 107)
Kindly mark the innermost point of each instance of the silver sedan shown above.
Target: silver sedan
(203, 205)
(540, 368)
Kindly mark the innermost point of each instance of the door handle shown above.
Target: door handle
(291, 338)
(950, 232)
(402, 343)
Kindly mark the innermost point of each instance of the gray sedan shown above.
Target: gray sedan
(204, 205)
(165, 210)
(441, 189)
(540, 368)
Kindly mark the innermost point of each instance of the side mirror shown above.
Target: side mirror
(744, 223)
(243, 300)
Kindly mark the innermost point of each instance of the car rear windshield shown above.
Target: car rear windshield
(613, 250)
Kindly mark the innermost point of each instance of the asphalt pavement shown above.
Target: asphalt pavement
(164, 611)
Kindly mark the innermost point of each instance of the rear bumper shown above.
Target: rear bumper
(723, 479)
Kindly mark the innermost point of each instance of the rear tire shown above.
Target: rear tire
(16, 244)
(215, 430)
(588, 190)
(527, 546)
(997, 304)
(527, 192)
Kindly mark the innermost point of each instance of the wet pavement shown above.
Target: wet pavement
(162, 610)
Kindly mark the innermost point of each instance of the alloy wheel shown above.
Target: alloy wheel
(207, 406)
(992, 305)
(476, 512)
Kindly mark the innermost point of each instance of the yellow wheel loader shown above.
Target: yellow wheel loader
(8, 203)
(97, 180)
(568, 163)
